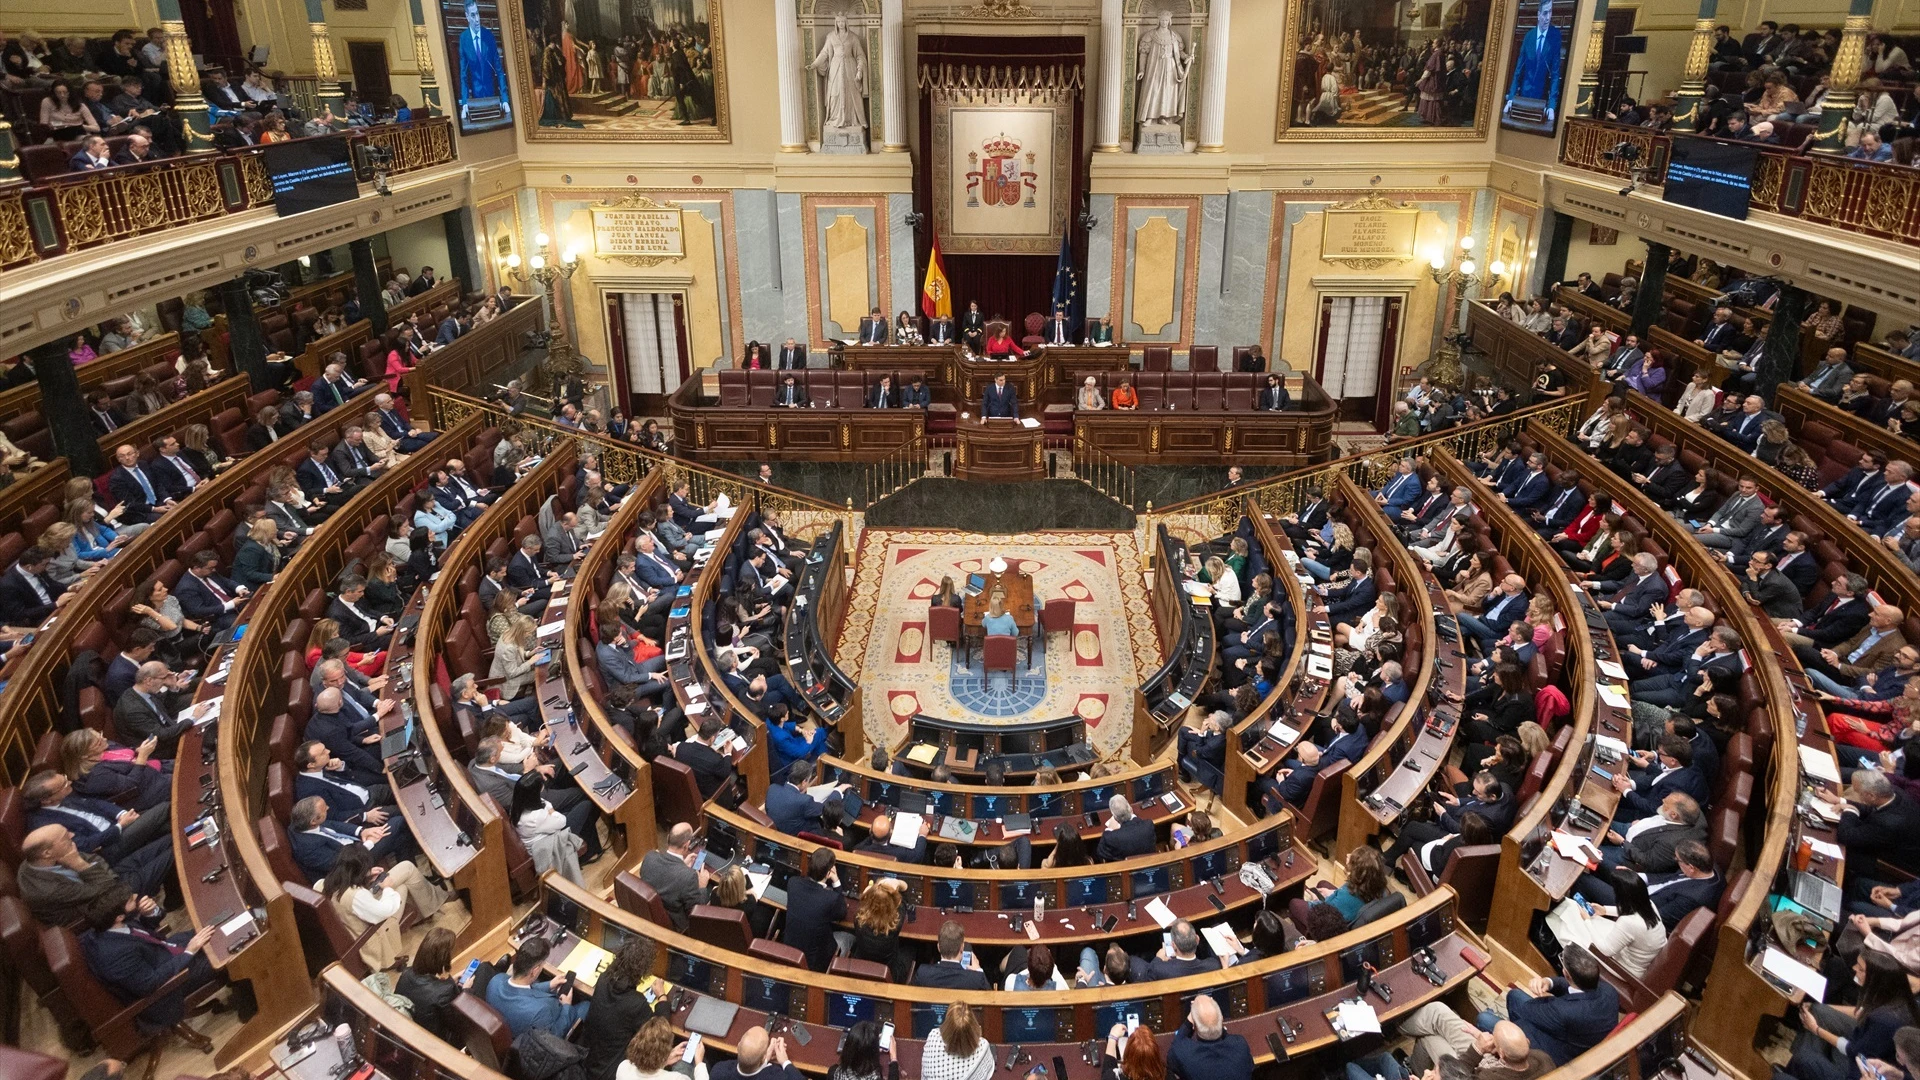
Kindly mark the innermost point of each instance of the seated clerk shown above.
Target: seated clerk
(1125, 834)
(955, 970)
(791, 394)
(1693, 884)
(132, 962)
(1294, 779)
(880, 839)
(917, 394)
(137, 846)
(1641, 796)
(793, 810)
(525, 995)
(1564, 1017)
(1000, 400)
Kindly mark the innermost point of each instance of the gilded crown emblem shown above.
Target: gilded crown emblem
(1000, 146)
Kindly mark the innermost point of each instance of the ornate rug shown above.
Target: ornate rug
(1093, 672)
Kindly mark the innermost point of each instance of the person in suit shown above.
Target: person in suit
(1203, 1048)
(1766, 536)
(207, 597)
(1560, 508)
(173, 474)
(1488, 798)
(1000, 400)
(916, 394)
(815, 907)
(614, 658)
(106, 416)
(1666, 479)
(792, 355)
(58, 882)
(1876, 823)
(1531, 489)
(1126, 834)
(1735, 518)
(1291, 783)
(28, 594)
(1769, 589)
(1203, 749)
(1641, 796)
(1632, 604)
(1692, 885)
(1649, 845)
(1871, 648)
(793, 810)
(1057, 331)
(1181, 958)
(93, 154)
(1399, 492)
(136, 845)
(952, 971)
(1887, 505)
(671, 874)
(1833, 620)
(524, 570)
(350, 732)
(352, 459)
(1861, 481)
(1347, 602)
(873, 328)
(320, 482)
(1563, 1017)
(791, 394)
(1712, 664)
(147, 710)
(881, 841)
(884, 395)
(1507, 602)
(1275, 397)
(134, 488)
(321, 774)
(711, 769)
(132, 962)
(1722, 332)
(940, 330)
(1798, 565)
(528, 999)
(973, 327)
(364, 629)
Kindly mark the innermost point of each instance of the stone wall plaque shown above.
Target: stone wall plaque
(638, 231)
(1368, 234)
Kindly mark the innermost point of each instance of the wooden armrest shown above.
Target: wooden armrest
(1417, 876)
(125, 1019)
(1634, 995)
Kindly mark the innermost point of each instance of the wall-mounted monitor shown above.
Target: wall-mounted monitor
(308, 174)
(1711, 175)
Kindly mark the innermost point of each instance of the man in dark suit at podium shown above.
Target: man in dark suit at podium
(792, 355)
(1000, 400)
(873, 329)
(940, 331)
(973, 327)
(1057, 330)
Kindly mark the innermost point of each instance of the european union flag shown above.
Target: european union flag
(1067, 293)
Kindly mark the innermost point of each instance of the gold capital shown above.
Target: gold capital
(323, 64)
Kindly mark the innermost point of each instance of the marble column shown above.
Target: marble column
(423, 57)
(1693, 78)
(245, 341)
(1213, 91)
(1649, 301)
(1588, 91)
(1836, 109)
(1781, 355)
(324, 66)
(458, 224)
(65, 410)
(184, 80)
(1113, 73)
(367, 285)
(793, 101)
(893, 63)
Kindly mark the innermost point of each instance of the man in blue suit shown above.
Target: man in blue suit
(1715, 662)
(483, 73)
(1676, 893)
(1537, 67)
(1672, 640)
(1564, 1017)
(1861, 481)
(1000, 400)
(130, 485)
(1507, 602)
(1530, 491)
(650, 566)
(1400, 492)
(1347, 602)
(1674, 771)
(1294, 779)
(316, 838)
(348, 800)
(350, 733)
(132, 963)
(1561, 507)
(1632, 606)
(794, 811)
(134, 844)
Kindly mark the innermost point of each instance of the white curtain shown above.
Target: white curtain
(1355, 330)
(653, 350)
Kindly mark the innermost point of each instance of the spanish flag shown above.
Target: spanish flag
(936, 296)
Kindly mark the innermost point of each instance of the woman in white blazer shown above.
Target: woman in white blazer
(1629, 932)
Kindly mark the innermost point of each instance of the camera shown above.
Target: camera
(1621, 151)
(377, 160)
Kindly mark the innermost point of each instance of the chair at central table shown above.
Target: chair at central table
(1018, 587)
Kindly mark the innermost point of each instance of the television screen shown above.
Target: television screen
(1107, 1015)
(1046, 804)
(953, 894)
(1082, 892)
(696, 974)
(1213, 864)
(926, 1018)
(308, 174)
(1532, 96)
(1263, 845)
(988, 807)
(479, 73)
(766, 995)
(1152, 882)
(1287, 986)
(1711, 175)
(846, 1010)
(1015, 895)
(1429, 928)
(1027, 1025)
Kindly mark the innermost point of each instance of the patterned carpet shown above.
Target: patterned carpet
(1093, 672)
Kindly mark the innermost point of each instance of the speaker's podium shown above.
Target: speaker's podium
(1002, 450)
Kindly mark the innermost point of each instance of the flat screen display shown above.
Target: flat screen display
(1027, 1025)
(1150, 882)
(1082, 892)
(1429, 928)
(926, 1018)
(308, 174)
(1263, 845)
(953, 894)
(1015, 895)
(1213, 864)
(1050, 804)
(986, 807)
(846, 1010)
(1532, 96)
(1711, 175)
(766, 995)
(479, 73)
(1284, 987)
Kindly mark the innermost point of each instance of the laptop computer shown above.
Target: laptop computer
(1818, 895)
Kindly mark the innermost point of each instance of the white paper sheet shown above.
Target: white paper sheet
(1612, 670)
(1161, 913)
(1222, 940)
(1794, 973)
(1819, 764)
(1611, 694)
(1358, 1017)
(1282, 732)
(906, 830)
(548, 629)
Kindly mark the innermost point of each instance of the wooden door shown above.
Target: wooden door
(1389, 349)
(214, 34)
(371, 78)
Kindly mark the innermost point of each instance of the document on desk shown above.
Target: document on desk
(1358, 1017)
(1612, 670)
(549, 629)
(1794, 974)
(1029, 422)
(1614, 696)
(906, 830)
(1819, 764)
(1161, 913)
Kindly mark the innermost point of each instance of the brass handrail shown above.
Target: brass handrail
(1105, 473)
(901, 467)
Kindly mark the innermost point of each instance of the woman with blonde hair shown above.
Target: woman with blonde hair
(956, 1050)
(67, 568)
(1335, 559)
(257, 562)
(1540, 616)
(514, 655)
(516, 746)
(998, 620)
(1226, 586)
(383, 447)
(93, 541)
(1533, 739)
(201, 452)
(324, 632)
(104, 770)
(505, 609)
(654, 1049)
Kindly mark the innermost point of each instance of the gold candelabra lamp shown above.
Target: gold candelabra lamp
(1462, 271)
(543, 268)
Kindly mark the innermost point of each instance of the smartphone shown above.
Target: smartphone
(1214, 899)
(886, 1037)
(693, 1045)
(1279, 1048)
(1867, 1068)
(700, 860)
(1166, 942)
(1060, 1066)
(799, 1033)
(966, 958)
(1584, 904)
(1133, 1022)
(473, 968)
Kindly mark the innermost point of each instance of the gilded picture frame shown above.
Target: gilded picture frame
(620, 116)
(1389, 108)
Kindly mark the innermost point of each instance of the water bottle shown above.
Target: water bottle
(343, 1043)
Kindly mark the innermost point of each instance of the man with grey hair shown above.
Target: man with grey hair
(1180, 957)
(1399, 492)
(137, 846)
(1632, 603)
(1203, 1049)
(147, 710)
(335, 387)
(1438, 1033)
(1203, 751)
(671, 873)
(496, 778)
(1876, 823)
(1125, 835)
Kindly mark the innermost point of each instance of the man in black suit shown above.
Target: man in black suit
(1057, 331)
(147, 710)
(27, 595)
(792, 355)
(524, 572)
(365, 630)
(1000, 399)
(1631, 603)
(973, 327)
(136, 845)
(92, 155)
(132, 962)
(1722, 332)
(423, 282)
(351, 458)
(1563, 1017)
(873, 329)
(940, 330)
(1768, 536)
(347, 798)
(879, 841)
(323, 485)
(791, 394)
(710, 768)
(1649, 845)
(1274, 398)
(916, 394)
(131, 485)
(1126, 835)
(1876, 823)
(1309, 518)
(1798, 564)
(1835, 619)
(884, 395)
(206, 597)
(1667, 480)
(350, 731)
(815, 908)
(1770, 589)
(955, 970)
(1642, 792)
(1560, 508)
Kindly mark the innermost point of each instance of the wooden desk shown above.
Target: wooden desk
(1002, 450)
(1018, 589)
(940, 363)
(424, 809)
(195, 792)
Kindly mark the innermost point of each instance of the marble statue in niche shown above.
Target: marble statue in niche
(1163, 63)
(842, 64)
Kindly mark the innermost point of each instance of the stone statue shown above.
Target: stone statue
(1161, 96)
(843, 101)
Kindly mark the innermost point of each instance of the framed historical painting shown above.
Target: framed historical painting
(1396, 71)
(621, 70)
(481, 99)
(1531, 96)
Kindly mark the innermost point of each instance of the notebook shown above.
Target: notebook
(711, 1016)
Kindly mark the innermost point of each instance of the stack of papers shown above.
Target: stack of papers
(1819, 764)
(1615, 696)
(906, 830)
(1612, 670)
(922, 753)
(587, 960)
(1357, 1018)
(1578, 848)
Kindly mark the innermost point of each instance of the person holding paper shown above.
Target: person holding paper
(900, 838)
(1831, 1037)
(1876, 822)
(1179, 959)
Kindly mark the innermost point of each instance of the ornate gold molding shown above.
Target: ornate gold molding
(323, 62)
(637, 201)
(1001, 9)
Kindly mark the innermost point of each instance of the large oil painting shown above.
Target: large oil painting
(622, 70)
(1413, 70)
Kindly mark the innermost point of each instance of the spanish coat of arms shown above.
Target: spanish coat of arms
(999, 174)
